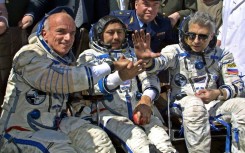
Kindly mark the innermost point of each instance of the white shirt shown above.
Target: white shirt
(233, 31)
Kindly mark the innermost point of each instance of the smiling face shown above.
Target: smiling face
(147, 10)
(198, 37)
(114, 34)
(59, 32)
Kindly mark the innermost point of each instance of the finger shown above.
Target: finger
(148, 38)
(133, 38)
(130, 65)
(142, 34)
(137, 35)
(20, 24)
(139, 62)
(24, 26)
(154, 55)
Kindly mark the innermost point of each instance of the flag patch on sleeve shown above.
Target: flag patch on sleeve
(232, 69)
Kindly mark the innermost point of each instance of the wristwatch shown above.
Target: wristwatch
(221, 96)
(112, 66)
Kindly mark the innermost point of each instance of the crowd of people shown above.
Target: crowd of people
(53, 101)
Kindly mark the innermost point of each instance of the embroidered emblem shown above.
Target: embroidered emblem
(35, 97)
(131, 20)
(180, 80)
(160, 34)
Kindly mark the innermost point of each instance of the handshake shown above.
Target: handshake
(126, 68)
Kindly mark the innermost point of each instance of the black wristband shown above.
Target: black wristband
(112, 66)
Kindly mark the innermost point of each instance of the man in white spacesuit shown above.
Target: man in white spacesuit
(34, 116)
(122, 98)
(204, 82)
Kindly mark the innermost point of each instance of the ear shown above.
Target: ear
(44, 34)
(213, 41)
(135, 3)
(212, 36)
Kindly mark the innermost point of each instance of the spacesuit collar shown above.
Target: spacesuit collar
(187, 49)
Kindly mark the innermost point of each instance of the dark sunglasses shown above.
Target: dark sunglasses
(192, 36)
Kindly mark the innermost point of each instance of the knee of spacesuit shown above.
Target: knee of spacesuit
(91, 138)
(196, 124)
(193, 110)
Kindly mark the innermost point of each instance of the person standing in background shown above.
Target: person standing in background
(22, 15)
(232, 32)
(145, 16)
(213, 8)
(176, 10)
(3, 17)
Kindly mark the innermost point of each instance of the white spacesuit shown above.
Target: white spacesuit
(116, 109)
(34, 116)
(192, 71)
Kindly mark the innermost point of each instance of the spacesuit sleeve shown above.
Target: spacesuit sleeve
(106, 84)
(45, 74)
(168, 59)
(150, 82)
(233, 84)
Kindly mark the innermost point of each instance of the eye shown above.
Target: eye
(203, 36)
(60, 31)
(192, 36)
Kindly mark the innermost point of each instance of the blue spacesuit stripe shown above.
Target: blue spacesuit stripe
(26, 142)
(236, 136)
(129, 105)
(68, 87)
(88, 76)
(101, 86)
(228, 134)
(56, 84)
(229, 89)
(115, 136)
(92, 79)
(62, 81)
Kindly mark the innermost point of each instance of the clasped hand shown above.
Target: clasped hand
(142, 112)
(127, 69)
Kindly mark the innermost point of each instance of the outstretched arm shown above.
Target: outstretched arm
(142, 47)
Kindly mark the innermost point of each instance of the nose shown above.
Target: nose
(115, 36)
(68, 36)
(150, 8)
(197, 39)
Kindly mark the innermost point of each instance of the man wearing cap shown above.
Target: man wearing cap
(145, 16)
(35, 116)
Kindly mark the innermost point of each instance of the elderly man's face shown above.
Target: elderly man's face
(61, 33)
(198, 37)
(147, 9)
